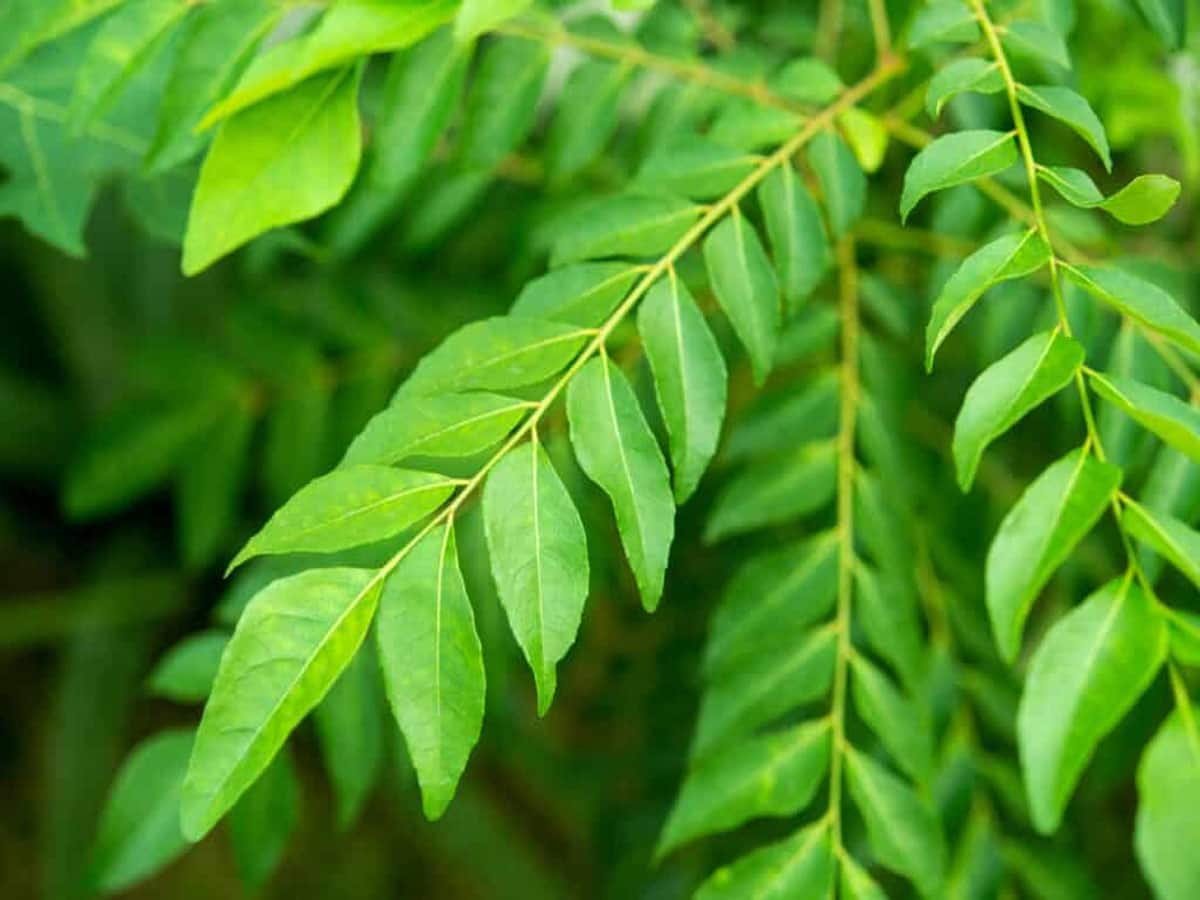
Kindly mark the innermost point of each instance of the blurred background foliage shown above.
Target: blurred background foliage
(149, 423)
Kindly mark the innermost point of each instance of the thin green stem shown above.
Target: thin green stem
(881, 29)
(848, 415)
(829, 29)
(712, 214)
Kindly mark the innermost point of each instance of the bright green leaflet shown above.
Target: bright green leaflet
(775, 774)
(477, 16)
(444, 425)
(1168, 816)
(1177, 423)
(346, 32)
(1141, 300)
(1166, 535)
(258, 173)
(631, 225)
(745, 285)
(797, 234)
(783, 590)
(493, 355)
(295, 637)
(856, 884)
(867, 136)
(897, 720)
(689, 379)
(1009, 389)
(349, 507)
(538, 551)
(1037, 40)
(432, 664)
(262, 822)
(1088, 671)
(959, 77)
(1145, 199)
(1039, 532)
(763, 687)
(187, 671)
(901, 828)
(1008, 257)
(956, 159)
(617, 450)
(584, 294)
(1071, 109)
(798, 866)
(349, 724)
(843, 184)
(807, 80)
(139, 831)
(798, 483)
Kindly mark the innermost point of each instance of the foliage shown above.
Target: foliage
(949, 546)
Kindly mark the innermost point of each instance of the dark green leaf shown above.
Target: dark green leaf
(695, 167)
(797, 234)
(262, 823)
(501, 105)
(586, 117)
(624, 225)
(186, 672)
(843, 184)
(900, 724)
(794, 485)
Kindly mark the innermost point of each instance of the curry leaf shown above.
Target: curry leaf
(1071, 109)
(1168, 816)
(1166, 535)
(798, 866)
(956, 159)
(1177, 423)
(1145, 199)
(798, 239)
(1141, 300)
(843, 184)
(962, 76)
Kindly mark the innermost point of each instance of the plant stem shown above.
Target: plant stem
(848, 307)
(713, 214)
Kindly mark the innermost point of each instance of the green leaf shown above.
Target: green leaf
(1168, 816)
(349, 724)
(444, 425)
(1145, 199)
(121, 50)
(347, 508)
(132, 453)
(263, 821)
(1141, 300)
(775, 774)
(890, 625)
(617, 450)
(539, 559)
(1009, 389)
(794, 485)
(695, 167)
(1038, 534)
(798, 866)
(33, 23)
(345, 33)
(291, 643)
(1185, 637)
(1085, 675)
(764, 687)
(689, 379)
(623, 225)
(866, 135)
(1165, 535)
(477, 16)
(1072, 110)
(432, 665)
(778, 421)
(186, 672)
(584, 294)
(1008, 257)
(1175, 422)
(501, 106)
(744, 282)
(587, 116)
(496, 354)
(215, 47)
(210, 483)
(959, 77)
(943, 21)
(808, 80)
(1168, 18)
(778, 592)
(956, 159)
(901, 828)
(900, 724)
(1036, 40)
(139, 834)
(855, 883)
(745, 125)
(843, 184)
(798, 240)
(257, 174)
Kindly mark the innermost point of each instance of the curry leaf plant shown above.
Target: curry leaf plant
(837, 311)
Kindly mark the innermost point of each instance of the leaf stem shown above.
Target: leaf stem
(847, 417)
(712, 214)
